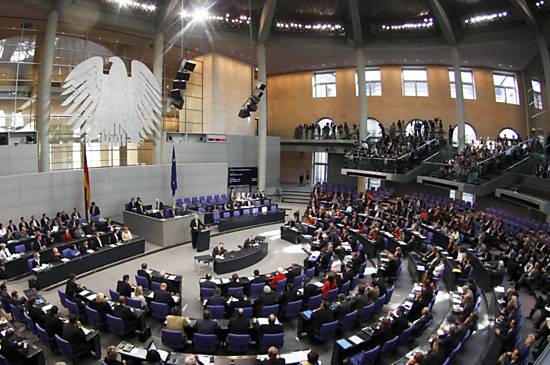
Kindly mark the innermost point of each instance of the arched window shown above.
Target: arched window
(508, 133)
(409, 128)
(373, 128)
(325, 122)
(469, 132)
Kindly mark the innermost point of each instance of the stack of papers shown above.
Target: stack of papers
(356, 340)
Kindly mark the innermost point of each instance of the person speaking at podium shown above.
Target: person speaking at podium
(219, 250)
(249, 242)
(196, 225)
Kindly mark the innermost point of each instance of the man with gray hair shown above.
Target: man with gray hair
(267, 298)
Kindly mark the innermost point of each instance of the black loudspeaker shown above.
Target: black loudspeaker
(179, 84)
(183, 76)
(244, 113)
(177, 99)
(188, 65)
(252, 107)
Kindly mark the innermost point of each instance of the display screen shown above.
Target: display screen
(242, 176)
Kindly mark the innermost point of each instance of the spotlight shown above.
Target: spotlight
(179, 84)
(177, 99)
(188, 65)
(251, 104)
(182, 75)
(252, 107)
(244, 113)
(200, 14)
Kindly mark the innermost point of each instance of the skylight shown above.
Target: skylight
(424, 24)
(486, 18)
(133, 4)
(291, 26)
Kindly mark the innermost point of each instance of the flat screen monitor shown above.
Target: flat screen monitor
(469, 198)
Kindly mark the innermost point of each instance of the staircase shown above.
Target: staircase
(296, 194)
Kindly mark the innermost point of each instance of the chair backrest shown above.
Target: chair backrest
(238, 343)
(155, 285)
(114, 295)
(270, 309)
(73, 308)
(333, 294)
(314, 302)
(365, 314)
(135, 303)
(30, 262)
(248, 311)
(62, 297)
(159, 310)
(246, 211)
(142, 281)
(115, 325)
(233, 292)
(327, 331)
(344, 288)
(349, 320)
(388, 347)
(29, 323)
(354, 282)
(64, 346)
(380, 303)
(362, 269)
(256, 289)
(236, 213)
(273, 209)
(94, 317)
(204, 343)
(310, 273)
(206, 293)
(370, 356)
(43, 335)
(20, 248)
(405, 336)
(269, 340)
(216, 311)
(389, 294)
(298, 281)
(172, 339)
(280, 287)
(226, 215)
(216, 216)
(293, 309)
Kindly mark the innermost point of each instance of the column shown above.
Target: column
(545, 60)
(262, 117)
(43, 97)
(459, 98)
(158, 61)
(361, 86)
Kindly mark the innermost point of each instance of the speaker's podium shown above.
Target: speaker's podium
(203, 240)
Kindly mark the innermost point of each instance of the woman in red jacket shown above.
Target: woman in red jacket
(330, 283)
(67, 236)
(279, 276)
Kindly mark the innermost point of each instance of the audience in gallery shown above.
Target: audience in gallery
(329, 131)
(543, 169)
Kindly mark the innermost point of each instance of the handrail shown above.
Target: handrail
(514, 147)
(350, 155)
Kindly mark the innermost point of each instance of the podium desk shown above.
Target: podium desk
(203, 240)
(161, 232)
(238, 260)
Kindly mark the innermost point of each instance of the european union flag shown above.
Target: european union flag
(174, 180)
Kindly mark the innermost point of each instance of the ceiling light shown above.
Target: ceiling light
(200, 14)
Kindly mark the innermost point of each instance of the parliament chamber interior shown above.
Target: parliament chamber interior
(271, 182)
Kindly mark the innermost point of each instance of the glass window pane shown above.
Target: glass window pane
(451, 76)
(500, 96)
(421, 89)
(415, 75)
(467, 77)
(331, 90)
(325, 77)
(453, 91)
(372, 75)
(536, 86)
(468, 91)
(409, 89)
(375, 88)
(511, 96)
(498, 79)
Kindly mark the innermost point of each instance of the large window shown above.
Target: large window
(374, 128)
(325, 132)
(415, 127)
(373, 82)
(320, 167)
(508, 133)
(468, 86)
(469, 132)
(537, 94)
(415, 81)
(324, 84)
(506, 88)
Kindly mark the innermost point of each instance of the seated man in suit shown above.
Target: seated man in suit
(266, 299)
(319, 317)
(421, 322)
(239, 325)
(343, 307)
(72, 333)
(55, 257)
(219, 250)
(102, 307)
(310, 289)
(144, 272)
(206, 326)
(289, 295)
(382, 334)
(258, 278)
(294, 271)
(39, 242)
(96, 243)
(242, 302)
(217, 299)
(207, 282)
(125, 313)
(84, 247)
(124, 287)
(36, 260)
(52, 323)
(78, 232)
(14, 351)
(272, 327)
(72, 288)
(162, 295)
(36, 314)
(234, 282)
(400, 322)
(361, 299)
(272, 358)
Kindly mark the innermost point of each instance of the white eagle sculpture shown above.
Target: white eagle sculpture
(113, 108)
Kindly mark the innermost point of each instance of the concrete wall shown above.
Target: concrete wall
(290, 102)
(227, 84)
(238, 151)
(539, 118)
(19, 159)
(293, 164)
(335, 163)
(50, 192)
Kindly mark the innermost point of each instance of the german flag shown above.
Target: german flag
(86, 183)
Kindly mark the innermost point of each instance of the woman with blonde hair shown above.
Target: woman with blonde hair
(138, 294)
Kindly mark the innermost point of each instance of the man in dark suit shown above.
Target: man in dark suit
(361, 299)
(310, 289)
(381, 282)
(239, 325)
(295, 270)
(241, 302)
(39, 242)
(219, 250)
(435, 356)
(272, 327)
(13, 350)
(272, 358)
(143, 272)
(45, 221)
(234, 282)
(289, 295)
(207, 282)
(162, 295)
(72, 288)
(102, 307)
(72, 333)
(95, 243)
(320, 316)
(258, 278)
(4, 296)
(123, 286)
(268, 297)
(195, 226)
(400, 322)
(216, 299)
(23, 224)
(36, 314)
(94, 210)
(421, 322)
(343, 307)
(206, 326)
(383, 333)
(52, 323)
(123, 312)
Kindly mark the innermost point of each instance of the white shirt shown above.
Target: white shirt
(5, 253)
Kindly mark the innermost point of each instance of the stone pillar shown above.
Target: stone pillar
(43, 97)
(158, 62)
(262, 117)
(545, 60)
(361, 86)
(459, 98)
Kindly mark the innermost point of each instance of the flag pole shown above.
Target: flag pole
(86, 182)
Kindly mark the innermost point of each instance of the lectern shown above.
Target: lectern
(203, 240)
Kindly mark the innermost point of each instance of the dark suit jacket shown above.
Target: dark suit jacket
(238, 326)
(310, 290)
(36, 314)
(342, 309)
(381, 335)
(434, 358)
(103, 309)
(267, 299)
(206, 326)
(399, 324)
(207, 284)
(216, 300)
(276, 361)
(52, 325)
(10, 351)
(128, 317)
(320, 317)
(259, 279)
(216, 251)
(145, 274)
(75, 336)
(124, 288)
(71, 289)
(271, 329)
(162, 296)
